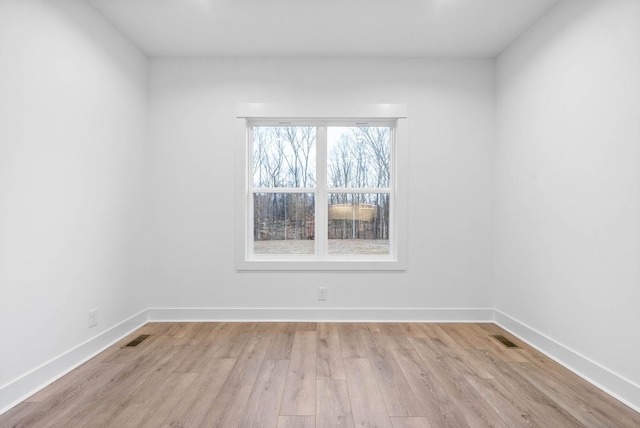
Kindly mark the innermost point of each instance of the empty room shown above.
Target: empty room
(319, 213)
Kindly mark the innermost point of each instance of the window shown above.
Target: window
(319, 194)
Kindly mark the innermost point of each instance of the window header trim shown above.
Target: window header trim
(320, 111)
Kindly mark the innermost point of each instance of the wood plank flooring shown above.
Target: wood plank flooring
(347, 375)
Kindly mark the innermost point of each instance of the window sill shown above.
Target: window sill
(320, 265)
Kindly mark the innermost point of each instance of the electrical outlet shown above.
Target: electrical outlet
(93, 318)
(322, 293)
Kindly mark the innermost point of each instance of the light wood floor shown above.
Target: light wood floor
(320, 375)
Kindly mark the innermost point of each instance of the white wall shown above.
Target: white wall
(567, 244)
(75, 170)
(192, 125)
(72, 180)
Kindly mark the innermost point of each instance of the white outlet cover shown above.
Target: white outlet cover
(93, 317)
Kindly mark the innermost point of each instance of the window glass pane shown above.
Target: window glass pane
(358, 156)
(358, 223)
(283, 223)
(284, 156)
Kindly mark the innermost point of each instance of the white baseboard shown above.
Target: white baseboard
(22, 388)
(594, 373)
(322, 314)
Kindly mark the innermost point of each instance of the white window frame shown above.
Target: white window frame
(324, 115)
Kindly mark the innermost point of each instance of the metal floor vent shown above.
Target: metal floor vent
(138, 340)
(506, 342)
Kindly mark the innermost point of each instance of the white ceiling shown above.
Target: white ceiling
(381, 28)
